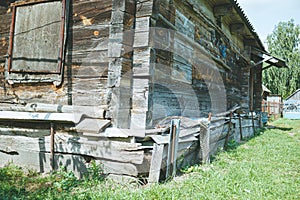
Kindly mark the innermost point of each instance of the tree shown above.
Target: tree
(284, 42)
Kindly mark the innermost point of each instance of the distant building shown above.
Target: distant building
(292, 106)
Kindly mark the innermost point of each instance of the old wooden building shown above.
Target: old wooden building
(103, 79)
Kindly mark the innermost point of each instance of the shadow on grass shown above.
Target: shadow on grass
(279, 128)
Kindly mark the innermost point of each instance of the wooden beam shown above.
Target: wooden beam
(237, 28)
(223, 9)
(249, 42)
(28, 2)
(88, 111)
(66, 144)
(39, 116)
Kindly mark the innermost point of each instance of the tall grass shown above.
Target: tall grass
(264, 167)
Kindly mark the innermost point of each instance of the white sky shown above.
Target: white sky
(265, 14)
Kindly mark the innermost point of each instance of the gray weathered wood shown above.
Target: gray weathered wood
(101, 149)
(189, 131)
(39, 116)
(37, 37)
(165, 139)
(89, 111)
(89, 125)
(156, 160)
(110, 167)
(117, 132)
(173, 148)
(40, 161)
(204, 143)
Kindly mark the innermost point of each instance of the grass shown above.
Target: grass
(264, 167)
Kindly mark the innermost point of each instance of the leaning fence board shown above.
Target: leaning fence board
(156, 161)
(173, 148)
(204, 142)
(102, 149)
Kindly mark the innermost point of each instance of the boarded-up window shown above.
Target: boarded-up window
(37, 38)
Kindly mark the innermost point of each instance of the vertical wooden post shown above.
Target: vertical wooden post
(228, 132)
(52, 144)
(62, 36)
(241, 128)
(11, 39)
(204, 141)
(156, 161)
(172, 148)
(253, 126)
(259, 120)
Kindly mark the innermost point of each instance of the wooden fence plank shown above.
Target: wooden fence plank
(156, 161)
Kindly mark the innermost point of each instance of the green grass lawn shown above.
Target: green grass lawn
(264, 167)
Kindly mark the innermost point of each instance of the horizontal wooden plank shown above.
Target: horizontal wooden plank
(88, 111)
(116, 132)
(190, 131)
(101, 149)
(157, 130)
(40, 162)
(39, 116)
(165, 139)
(110, 167)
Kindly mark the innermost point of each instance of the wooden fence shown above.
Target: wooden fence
(272, 108)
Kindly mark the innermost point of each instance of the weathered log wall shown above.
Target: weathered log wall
(86, 63)
(191, 75)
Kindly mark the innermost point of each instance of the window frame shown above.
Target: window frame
(15, 74)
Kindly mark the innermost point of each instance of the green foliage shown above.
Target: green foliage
(284, 42)
(94, 172)
(65, 180)
(232, 144)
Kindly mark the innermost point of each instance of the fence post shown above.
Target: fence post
(228, 132)
(253, 126)
(241, 128)
(172, 148)
(204, 141)
(52, 146)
